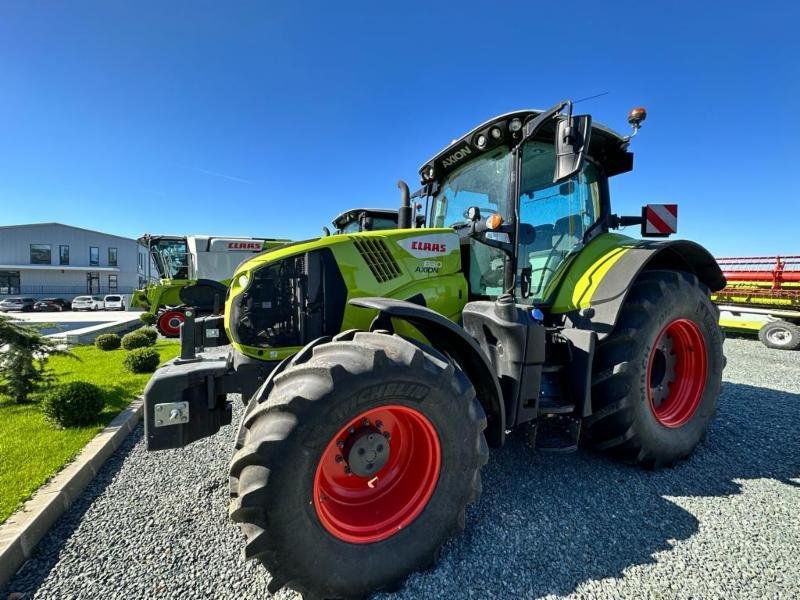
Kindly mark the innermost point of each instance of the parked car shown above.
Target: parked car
(114, 302)
(88, 303)
(20, 304)
(51, 305)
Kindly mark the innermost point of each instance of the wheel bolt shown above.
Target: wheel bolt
(340, 444)
(351, 431)
(339, 458)
(347, 471)
(378, 424)
(386, 435)
(365, 422)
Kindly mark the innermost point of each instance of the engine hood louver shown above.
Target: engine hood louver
(378, 258)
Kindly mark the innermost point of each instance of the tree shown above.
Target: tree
(23, 357)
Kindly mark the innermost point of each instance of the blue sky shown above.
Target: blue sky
(267, 119)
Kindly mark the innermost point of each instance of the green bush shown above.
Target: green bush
(148, 318)
(136, 339)
(73, 404)
(142, 360)
(150, 333)
(107, 341)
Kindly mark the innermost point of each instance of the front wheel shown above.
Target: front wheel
(169, 323)
(657, 376)
(355, 464)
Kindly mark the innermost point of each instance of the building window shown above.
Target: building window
(92, 283)
(112, 283)
(40, 254)
(141, 261)
(63, 255)
(94, 256)
(112, 257)
(9, 282)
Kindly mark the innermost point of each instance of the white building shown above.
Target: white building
(55, 260)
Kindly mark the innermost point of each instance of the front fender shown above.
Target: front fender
(448, 337)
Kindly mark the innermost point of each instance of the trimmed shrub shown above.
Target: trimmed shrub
(107, 341)
(136, 339)
(148, 318)
(150, 333)
(142, 360)
(73, 404)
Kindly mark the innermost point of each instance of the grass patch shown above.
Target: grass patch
(32, 450)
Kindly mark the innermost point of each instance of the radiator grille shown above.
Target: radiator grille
(378, 258)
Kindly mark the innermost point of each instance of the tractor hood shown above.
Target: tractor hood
(280, 300)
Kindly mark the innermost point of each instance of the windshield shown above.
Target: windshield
(171, 258)
(484, 182)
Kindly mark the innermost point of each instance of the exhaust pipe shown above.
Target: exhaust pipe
(404, 214)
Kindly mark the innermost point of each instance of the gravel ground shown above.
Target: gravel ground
(725, 524)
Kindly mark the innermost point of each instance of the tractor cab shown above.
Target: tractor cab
(525, 192)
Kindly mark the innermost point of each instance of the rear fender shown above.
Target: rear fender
(602, 310)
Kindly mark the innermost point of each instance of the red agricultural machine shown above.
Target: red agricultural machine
(762, 295)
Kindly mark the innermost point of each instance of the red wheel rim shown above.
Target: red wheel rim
(365, 509)
(676, 372)
(170, 323)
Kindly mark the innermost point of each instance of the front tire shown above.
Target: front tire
(657, 376)
(330, 520)
(169, 323)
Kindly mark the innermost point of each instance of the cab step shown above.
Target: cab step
(552, 405)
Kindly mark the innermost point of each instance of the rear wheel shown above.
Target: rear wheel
(355, 463)
(780, 334)
(169, 322)
(657, 376)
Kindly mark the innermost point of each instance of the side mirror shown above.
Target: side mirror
(572, 141)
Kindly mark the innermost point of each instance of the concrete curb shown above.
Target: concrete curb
(25, 528)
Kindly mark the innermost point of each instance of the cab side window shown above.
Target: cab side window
(560, 215)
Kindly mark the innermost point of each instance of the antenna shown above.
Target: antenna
(591, 97)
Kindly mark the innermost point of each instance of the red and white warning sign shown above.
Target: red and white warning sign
(660, 219)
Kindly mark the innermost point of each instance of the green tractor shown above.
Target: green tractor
(378, 368)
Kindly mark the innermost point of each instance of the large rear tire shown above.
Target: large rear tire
(657, 376)
(355, 464)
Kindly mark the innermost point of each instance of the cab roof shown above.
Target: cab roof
(352, 214)
(606, 146)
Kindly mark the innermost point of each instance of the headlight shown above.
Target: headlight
(515, 125)
(480, 141)
(495, 133)
(243, 281)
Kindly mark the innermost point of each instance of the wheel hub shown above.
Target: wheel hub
(366, 451)
(677, 370)
(662, 372)
(366, 490)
